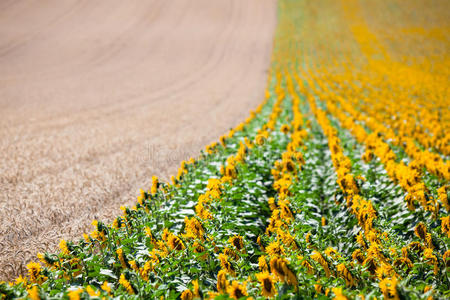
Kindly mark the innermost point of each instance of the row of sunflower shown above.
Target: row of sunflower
(398, 130)
(409, 177)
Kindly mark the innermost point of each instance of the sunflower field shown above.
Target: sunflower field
(335, 187)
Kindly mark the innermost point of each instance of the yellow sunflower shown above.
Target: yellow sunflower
(175, 242)
(285, 128)
(237, 242)
(236, 290)
(267, 284)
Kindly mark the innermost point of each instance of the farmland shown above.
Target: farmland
(334, 187)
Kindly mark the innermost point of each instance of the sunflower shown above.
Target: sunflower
(442, 192)
(308, 266)
(289, 165)
(318, 288)
(445, 225)
(431, 258)
(222, 282)
(126, 284)
(345, 273)
(276, 267)
(258, 240)
(285, 211)
(175, 242)
(194, 228)
(222, 140)
(279, 267)
(226, 265)
(285, 129)
(331, 252)
(148, 232)
(446, 258)
(237, 242)
(230, 253)
(358, 256)
(33, 293)
(123, 260)
(230, 171)
(403, 262)
(92, 292)
(371, 264)
(75, 294)
(272, 203)
(195, 288)
(287, 239)
(338, 294)
(106, 287)
(198, 248)
(421, 230)
(155, 183)
(187, 295)
(147, 268)
(308, 237)
(389, 288)
(134, 265)
(236, 290)
(267, 284)
(262, 263)
(165, 235)
(274, 249)
(416, 246)
(45, 259)
(63, 247)
(202, 212)
(260, 140)
(20, 280)
(360, 240)
(317, 256)
(34, 271)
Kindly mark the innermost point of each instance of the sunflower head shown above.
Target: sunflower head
(285, 129)
(230, 171)
(194, 228)
(275, 249)
(358, 256)
(236, 290)
(237, 241)
(260, 140)
(175, 242)
(446, 258)
(226, 265)
(267, 284)
(420, 230)
(371, 265)
(33, 293)
(63, 246)
(187, 295)
(222, 282)
(289, 165)
(231, 253)
(276, 267)
(34, 271)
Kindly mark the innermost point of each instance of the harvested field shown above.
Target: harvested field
(96, 97)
